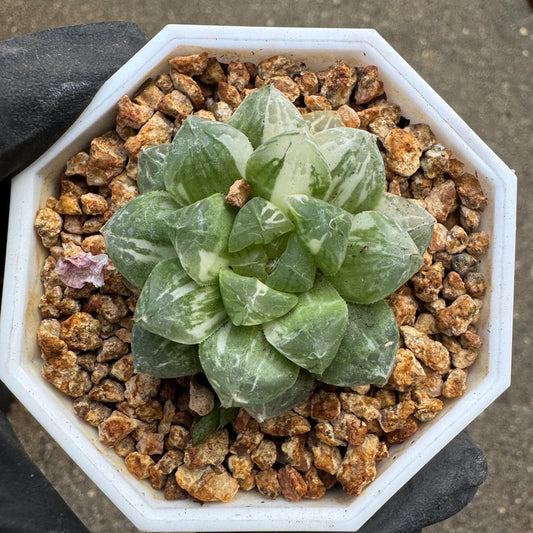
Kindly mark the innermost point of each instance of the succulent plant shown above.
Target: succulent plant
(283, 290)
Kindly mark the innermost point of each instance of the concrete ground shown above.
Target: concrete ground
(479, 56)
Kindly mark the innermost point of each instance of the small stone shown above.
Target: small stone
(207, 484)
(403, 154)
(267, 484)
(139, 464)
(464, 263)
(325, 405)
(477, 244)
(456, 240)
(368, 86)
(81, 332)
(441, 200)
(475, 284)
(115, 428)
(455, 384)
(455, 319)
(470, 192)
(338, 84)
(432, 353)
(192, 65)
(453, 286)
(358, 468)
(293, 486)
(175, 104)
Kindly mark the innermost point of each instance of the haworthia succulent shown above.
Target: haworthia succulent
(323, 228)
(243, 367)
(294, 395)
(174, 306)
(160, 357)
(250, 262)
(249, 302)
(322, 120)
(295, 269)
(138, 236)
(310, 334)
(264, 114)
(151, 168)
(357, 168)
(367, 352)
(409, 216)
(205, 158)
(287, 164)
(380, 257)
(257, 222)
(200, 237)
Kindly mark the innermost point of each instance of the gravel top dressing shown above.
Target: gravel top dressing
(263, 278)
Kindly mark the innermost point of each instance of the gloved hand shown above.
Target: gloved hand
(47, 79)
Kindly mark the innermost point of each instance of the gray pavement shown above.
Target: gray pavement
(479, 56)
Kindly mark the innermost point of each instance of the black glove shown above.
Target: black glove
(47, 79)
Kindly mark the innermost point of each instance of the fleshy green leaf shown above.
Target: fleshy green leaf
(380, 257)
(409, 216)
(264, 114)
(310, 334)
(295, 269)
(249, 302)
(205, 158)
(174, 306)
(160, 357)
(227, 415)
(322, 120)
(205, 425)
(138, 236)
(286, 400)
(368, 350)
(357, 169)
(216, 419)
(151, 166)
(201, 232)
(287, 164)
(323, 228)
(257, 222)
(243, 367)
(275, 248)
(250, 262)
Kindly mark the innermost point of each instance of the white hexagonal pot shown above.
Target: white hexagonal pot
(19, 355)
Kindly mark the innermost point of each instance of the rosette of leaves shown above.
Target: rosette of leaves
(287, 289)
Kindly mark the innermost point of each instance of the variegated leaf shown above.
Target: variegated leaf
(250, 262)
(295, 269)
(287, 164)
(257, 222)
(380, 257)
(357, 169)
(243, 367)
(322, 120)
(138, 236)
(264, 114)
(311, 333)
(294, 395)
(174, 306)
(409, 216)
(368, 349)
(201, 232)
(205, 158)
(249, 302)
(151, 167)
(160, 357)
(323, 228)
